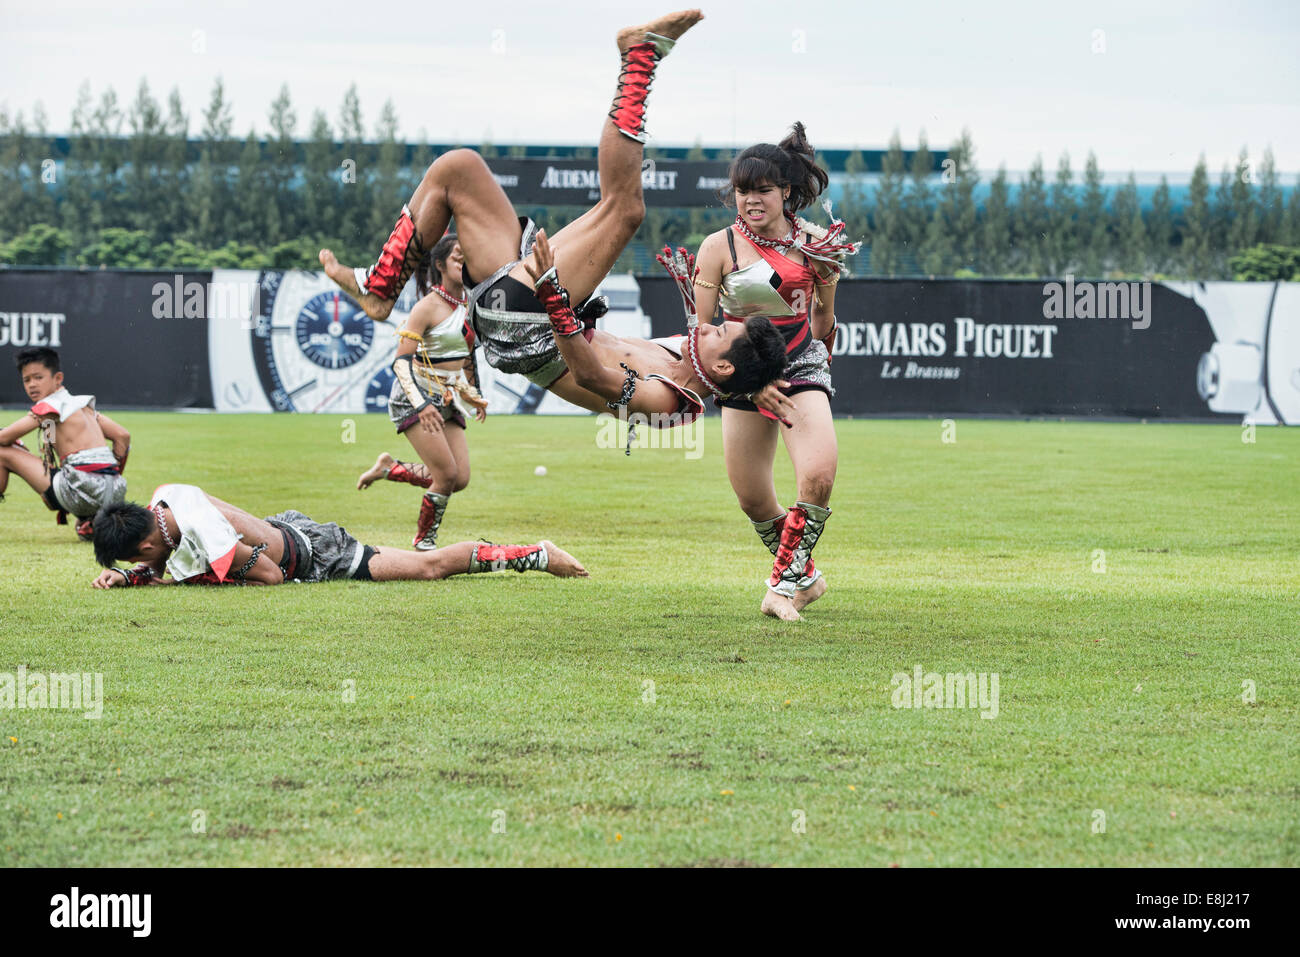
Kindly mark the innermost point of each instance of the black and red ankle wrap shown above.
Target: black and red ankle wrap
(496, 558)
(799, 534)
(401, 254)
(556, 300)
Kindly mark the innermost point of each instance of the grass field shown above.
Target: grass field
(507, 719)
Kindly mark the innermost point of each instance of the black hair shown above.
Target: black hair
(46, 357)
(120, 529)
(788, 164)
(758, 356)
(429, 273)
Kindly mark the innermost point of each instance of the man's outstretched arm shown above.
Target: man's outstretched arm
(12, 433)
(616, 386)
(145, 573)
(583, 362)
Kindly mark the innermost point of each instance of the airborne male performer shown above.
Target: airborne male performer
(661, 379)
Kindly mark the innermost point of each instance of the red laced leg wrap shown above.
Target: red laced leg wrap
(784, 575)
(401, 254)
(770, 534)
(432, 507)
(804, 524)
(628, 110)
(496, 558)
(412, 474)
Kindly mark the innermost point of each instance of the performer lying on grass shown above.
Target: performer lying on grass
(655, 379)
(76, 472)
(202, 540)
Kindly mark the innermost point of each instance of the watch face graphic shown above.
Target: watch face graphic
(316, 351)
(379, 389)
(332, 331)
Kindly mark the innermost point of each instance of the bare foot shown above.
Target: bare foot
(376, 471)
(374, 307)
(778, 606)
(561, 563)
(671, 25)
(805, 597)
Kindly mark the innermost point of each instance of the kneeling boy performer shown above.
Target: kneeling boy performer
(76, 472)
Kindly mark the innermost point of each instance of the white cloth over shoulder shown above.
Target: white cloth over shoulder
(63, 404)
(672, 343)
(207, 539)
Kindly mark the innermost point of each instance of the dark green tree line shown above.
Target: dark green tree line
(136, 191)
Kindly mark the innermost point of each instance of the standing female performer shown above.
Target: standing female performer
(774, 264)
(436, 385)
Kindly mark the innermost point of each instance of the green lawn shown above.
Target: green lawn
(524, 703)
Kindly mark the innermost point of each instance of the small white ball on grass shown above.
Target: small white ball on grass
(540, 470)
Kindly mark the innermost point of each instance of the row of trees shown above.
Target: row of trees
(133, 192)
(1037, 228)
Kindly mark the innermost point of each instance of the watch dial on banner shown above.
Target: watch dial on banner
(379, 389)
(332, 331)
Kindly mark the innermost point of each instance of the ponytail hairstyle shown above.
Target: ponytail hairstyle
(788, 164)
(429, 272)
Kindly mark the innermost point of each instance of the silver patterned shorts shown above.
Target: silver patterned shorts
(334, 553)
(511, 323)
(404, 416)
(82, 493)
(520, 342)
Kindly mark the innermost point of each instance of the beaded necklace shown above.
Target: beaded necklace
(693, 353)
(162, 526)
(757, 240)
(449, 297)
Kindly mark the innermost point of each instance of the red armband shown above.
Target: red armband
(556, 300)
(828, 340)
(140, 575)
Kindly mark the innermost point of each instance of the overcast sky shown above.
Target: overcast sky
(1147, 85)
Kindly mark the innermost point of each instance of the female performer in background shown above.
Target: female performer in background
(771, 263)
(436, 386)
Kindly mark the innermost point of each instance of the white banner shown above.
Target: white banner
(293, 342)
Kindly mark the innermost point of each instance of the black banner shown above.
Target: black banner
(99, 908)
(1206, 351)
(1007, 347)
(128, 338)
(576, 182)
